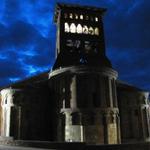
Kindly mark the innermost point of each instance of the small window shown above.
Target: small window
(81, 17)
(96, 31)
(91, 31)
(76, 16)
(96, 19)
(85, 29)
(79, 28)
(66, 27)
(71, 16)
(73, 28)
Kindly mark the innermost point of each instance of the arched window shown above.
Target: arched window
(66, 27)
(96, 19)
(96, 31)
(81, 17)
(76, 16)
(79, 28)
(71, 16)
(85, 29)
(73, 28)
(91, 31)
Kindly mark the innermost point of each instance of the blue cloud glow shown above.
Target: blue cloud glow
(14, 79)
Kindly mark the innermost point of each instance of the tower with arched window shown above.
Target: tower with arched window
(82, 78)
(80, 100)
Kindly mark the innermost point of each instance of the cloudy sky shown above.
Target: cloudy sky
(27, 38)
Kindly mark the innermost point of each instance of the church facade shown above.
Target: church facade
(80, 99)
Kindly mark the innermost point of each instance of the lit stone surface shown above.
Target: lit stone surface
(74, 133)
(6, 103)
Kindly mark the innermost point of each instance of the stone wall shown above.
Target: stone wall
(86, 104)
(134, 114)
(31, 115)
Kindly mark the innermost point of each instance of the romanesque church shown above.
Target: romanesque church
(80, 99)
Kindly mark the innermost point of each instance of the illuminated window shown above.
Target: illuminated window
(96, 31)
(85, 29)
(71, 16)
(91, 31)
(96, 19)
(81, 17)
(76, 16)
(66, 27)
(73, 28)
(79, 28)
(65, 15)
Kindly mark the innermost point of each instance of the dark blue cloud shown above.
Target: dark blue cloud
(27, 38)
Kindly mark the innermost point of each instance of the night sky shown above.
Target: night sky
(27, 38)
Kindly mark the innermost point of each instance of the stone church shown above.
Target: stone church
(80, 99)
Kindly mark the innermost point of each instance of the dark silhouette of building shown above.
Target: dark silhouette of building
(80, 99)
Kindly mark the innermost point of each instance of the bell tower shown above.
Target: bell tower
(80, 36)
(82, 78)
